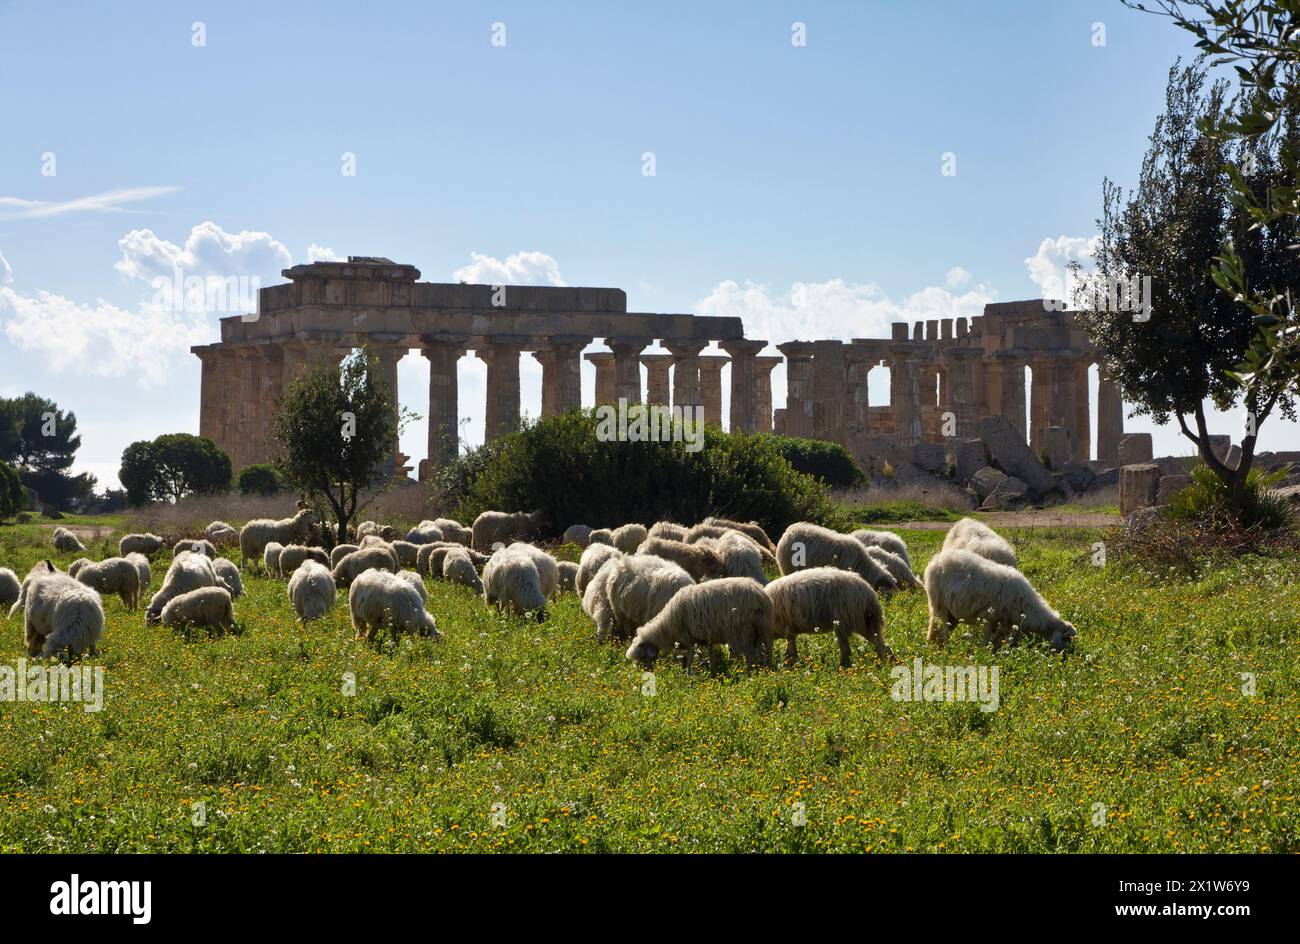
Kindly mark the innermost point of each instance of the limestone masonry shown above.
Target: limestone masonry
(956, 370)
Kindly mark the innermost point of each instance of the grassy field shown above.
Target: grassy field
(517, 736)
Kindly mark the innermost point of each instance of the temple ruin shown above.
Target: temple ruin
(945, 376)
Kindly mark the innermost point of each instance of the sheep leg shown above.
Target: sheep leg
(939, 629)
(791, 651)
(846, 653)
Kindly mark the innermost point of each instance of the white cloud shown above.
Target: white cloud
(523, 268)
(956, 277)
(323, 254)
(1047, 266)
(6, 273)
(108, 202)
(208, 251)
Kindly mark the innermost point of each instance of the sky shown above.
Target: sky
(800, 186)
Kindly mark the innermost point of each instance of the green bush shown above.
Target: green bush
(258, 479)
(11, 492)
(828, 462)
(559, 465)
(1208, 499)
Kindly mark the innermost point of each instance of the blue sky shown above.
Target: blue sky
(798, 187)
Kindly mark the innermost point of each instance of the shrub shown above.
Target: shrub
(559, 465)
(1209, 499)
(11, 491)
(828, 462)
(258, 479)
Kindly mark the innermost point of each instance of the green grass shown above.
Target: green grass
(898, 512)
(1147, 717)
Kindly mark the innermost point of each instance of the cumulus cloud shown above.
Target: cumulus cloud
(323, 254)
(208, 251)
(6, 273)
(111, 201)
(956, 277)
(523, 268)
(1047, 267)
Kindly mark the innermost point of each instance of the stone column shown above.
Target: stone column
(1065, 387)
(657, 367)
(744, 383)
(1012, 402)
(686, 373)
(711, 387)
(828, 390)
(546, 358)
(991, 404)
(1040, 405)
(388, 357)
(857, 365)
(210, 396)
(1110, 418)
(627, 368)
(798, 387)
(501, 354)
(904, 395)
(763, 367)
(961, 374)
(249, 387)
(443, 352)
(604, 362)
(566, 366)
(943, 397)
(1083, 413)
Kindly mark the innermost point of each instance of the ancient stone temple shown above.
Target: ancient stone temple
(945, 376)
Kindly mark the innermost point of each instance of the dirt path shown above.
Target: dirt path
(1024, 519)
(84, 532)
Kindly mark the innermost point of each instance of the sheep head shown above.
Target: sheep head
(643, 653)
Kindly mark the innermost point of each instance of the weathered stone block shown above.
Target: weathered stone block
(1107, 478)
(1219, 446)
(1233, 458)
(1137, 486)
(1078, 476)
(968, 456)
(986, 481)
(929, 456)
(1057, 446)
(1169, 486)
(1135, 449)
(1011, 493)
(1009, 452)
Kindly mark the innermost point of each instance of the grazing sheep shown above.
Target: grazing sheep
(809, 545)
(568, 575)
(459, 568)
(255, 535)
(209, 607)
(629, 537)
(373, 540)
(733, 610)
(963, 586)
(424, 533)
(146, 544)
(751, 528)
(75, 567)
(601, 536)
(978, 538)
(143, 567)
(511, 582)
(42, 569)
(113, 575)
(229, 576)
(702, 563)
(453, 530)
(292, 556)
(824, 600)
(895, 566)
(187, 572)
(547, 571)
(593, 558)
(416, 581)
(406, 552)
(428, 560)
(66, 542)
(579, 534)
(884, 539)
(341, 551)
(9, 587)
(741, 555)
(667, 531)
(221, 534)
(271, 558)
(635, 588)
(311, 590)
(358, 562)
(379, 600)
(59, 615)
(195, 546)
(389, 533)
(700, 531)
(365, 528)
(493, 528)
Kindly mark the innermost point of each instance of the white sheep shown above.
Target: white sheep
(293, 555)
(895, 566)
(255, 535)
(66, 542)
(630, 591)
(667, 531)
(221, 534)
(146, 544)
(592, 559)
(701, 562)
(883, 539)
(511, 583)
(9, 587)
(416, 582)
(430, 557)
(579, 534)
(459, 568)
(968, 534)
(601, 536)
(40, 569)
(733, 611)
(187, 572)
(751, 528)
(311, 590)
(453, 530)
(113, 575)
(75, 567)
(424, 533)
(379, 599)
(547, 571)
(629, 537)
(358, 562)
(702, 530)
(741, 555)
(808, 545)
(963, 586)
(568, 575)
(229, 575)
(143, 567)
(195, 546)
(271, 558)
(366, 527)
(498, 527)
(61, 615)
(827, 600)
(341, 551)
(208, 607)
(406, 552)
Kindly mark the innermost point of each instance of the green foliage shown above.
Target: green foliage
(899, 512)
(172, 466)
(560, 465)
(1208, 498)
(828, 462)
(258, 479)
(11, 491)
(40, 441)
(335, 430)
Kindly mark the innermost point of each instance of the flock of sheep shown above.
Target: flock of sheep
(667, 588)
